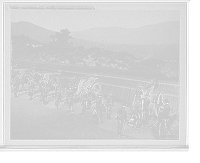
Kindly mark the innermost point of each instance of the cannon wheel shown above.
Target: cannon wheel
(52, 82)
(157, 100)
(96, 87)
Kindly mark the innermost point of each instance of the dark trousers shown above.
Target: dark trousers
(121, 123)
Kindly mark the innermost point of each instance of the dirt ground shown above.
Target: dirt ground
(31, 119)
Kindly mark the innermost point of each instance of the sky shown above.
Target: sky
(103, 16)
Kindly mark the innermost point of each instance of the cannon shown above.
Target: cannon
(85, 81)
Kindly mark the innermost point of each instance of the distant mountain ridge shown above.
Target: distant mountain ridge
(156, 34)
(160, 41)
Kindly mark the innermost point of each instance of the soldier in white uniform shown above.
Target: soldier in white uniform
(109, 101)
(41, 84)
(146, 109)
(69, 98)
(16, 84)
(89, 97)
(138, 109)
(83, 100)
(58, 98)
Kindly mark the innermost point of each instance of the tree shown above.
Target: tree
(61, 38)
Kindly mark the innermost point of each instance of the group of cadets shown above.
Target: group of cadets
(140, 112)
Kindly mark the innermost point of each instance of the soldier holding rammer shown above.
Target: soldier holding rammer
(109, 104)
(16, 84)
(83, 100)
(58, 98)
(98, 108)
(89, 97)
(121, 119)
(30, 88)
(69, 98)
(44, 91)
(146, 109)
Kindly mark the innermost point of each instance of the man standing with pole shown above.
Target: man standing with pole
(69, 98)
(16, 84)
(44, 91)
(98, 108)
(58, 98)
(109, 104)
(121, 120)
(89, 97)
(30, 89)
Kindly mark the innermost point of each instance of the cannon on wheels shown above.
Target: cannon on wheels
(85, 81)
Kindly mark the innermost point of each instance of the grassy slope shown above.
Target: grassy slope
(141, 73)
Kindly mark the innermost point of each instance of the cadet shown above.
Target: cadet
(167, 116)
(69, 98)
(137, 94)
(109, 104)
(30, 89)
(137, 107)
(56, 86)
(83, 100)
(146, 109)
(121, 119)
(58, 98)
(41, 83)
(98, 107)
(89, 97)
(75, 84)
(16, 84)
(161, 120)
(44, 91)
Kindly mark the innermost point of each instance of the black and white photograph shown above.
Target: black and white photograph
(95, 74)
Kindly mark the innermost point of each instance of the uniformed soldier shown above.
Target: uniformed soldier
(166, 115)
(98, 108)
(89, 97)
(70, 83)
(57, 85)
(75, 83)
(161, 120)
(109, 101)
(138, 93)
(16, 84)
(121, 120)
(41, 84)
(69, 98)
(138, 108)
(30, 88)
(58, 98)
(146, 109)
(44, 91)
(83, 100)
